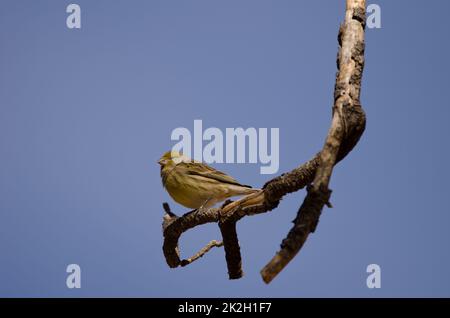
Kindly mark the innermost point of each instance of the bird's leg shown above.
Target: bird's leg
(205, 205)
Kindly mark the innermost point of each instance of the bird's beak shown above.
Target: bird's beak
(160, 162)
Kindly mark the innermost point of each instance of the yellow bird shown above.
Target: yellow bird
(196, 185)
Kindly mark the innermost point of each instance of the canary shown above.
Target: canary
(196, 185)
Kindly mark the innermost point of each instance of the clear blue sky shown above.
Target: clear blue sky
(85, 114)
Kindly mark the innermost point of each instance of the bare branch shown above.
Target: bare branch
(232, 249)
(202, 252)
(256, 203)
(174, 226)
(347, 126)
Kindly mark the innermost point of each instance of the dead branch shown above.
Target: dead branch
(202, 252)
(347, 126)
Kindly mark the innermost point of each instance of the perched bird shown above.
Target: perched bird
(196, 185)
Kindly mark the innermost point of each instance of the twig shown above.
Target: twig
(202, 252)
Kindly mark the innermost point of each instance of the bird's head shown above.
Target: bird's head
(172, 158)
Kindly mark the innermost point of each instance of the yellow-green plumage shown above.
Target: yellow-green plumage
(194, 184)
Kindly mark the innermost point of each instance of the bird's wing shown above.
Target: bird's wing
(201, 169)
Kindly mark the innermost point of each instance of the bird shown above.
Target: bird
(196, 185)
